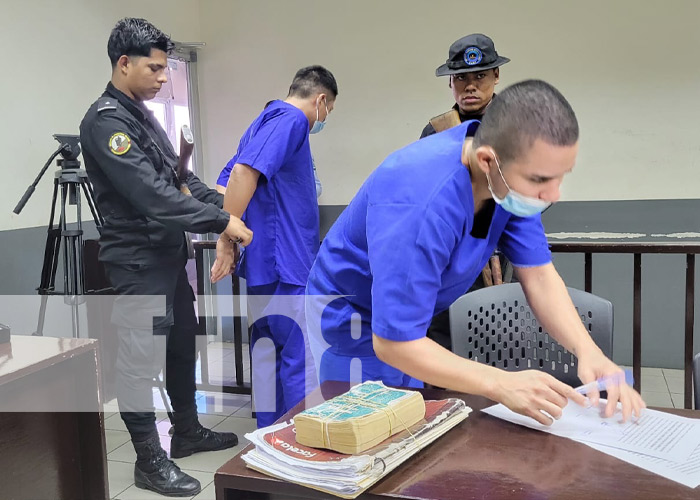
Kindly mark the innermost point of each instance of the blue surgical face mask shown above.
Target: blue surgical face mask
(514, 202)
(318, 125)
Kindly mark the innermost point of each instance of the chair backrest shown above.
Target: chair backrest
(696, 380)
(496, 326)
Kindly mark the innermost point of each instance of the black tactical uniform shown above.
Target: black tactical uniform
(429, 129)
(131, 165)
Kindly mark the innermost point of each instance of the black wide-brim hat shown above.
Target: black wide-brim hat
(474, 52)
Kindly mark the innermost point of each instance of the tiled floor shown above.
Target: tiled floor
(662, 387)
(221, 412)
(218, 411)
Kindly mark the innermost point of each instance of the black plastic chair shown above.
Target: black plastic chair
(696, 380)
(496, 326)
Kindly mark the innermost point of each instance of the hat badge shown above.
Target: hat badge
(472, 56)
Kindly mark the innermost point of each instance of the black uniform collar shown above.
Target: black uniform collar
(138, 109)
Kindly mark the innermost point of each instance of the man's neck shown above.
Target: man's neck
(305, 107)
(121, 87)
(480, 186)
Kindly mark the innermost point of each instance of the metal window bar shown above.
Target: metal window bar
(240, 387)
(637, 249)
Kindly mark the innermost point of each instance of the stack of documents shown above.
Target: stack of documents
(278, 454)
(361, 418)
(662, 443)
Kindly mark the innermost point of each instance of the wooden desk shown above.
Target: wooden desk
(50, 451)
(481, 458)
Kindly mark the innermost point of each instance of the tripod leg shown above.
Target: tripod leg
(64, 227)
(42, 316)
(75, 317)
(78, 255)
(166, 403)
(90, 197)
(51, 250)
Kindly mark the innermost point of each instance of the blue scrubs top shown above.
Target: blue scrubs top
(402, 252)
(283, 213)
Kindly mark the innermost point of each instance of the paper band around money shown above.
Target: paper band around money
(346, 402)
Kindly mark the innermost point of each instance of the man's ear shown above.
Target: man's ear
(484, 158)
(123, 64)
(496, 74)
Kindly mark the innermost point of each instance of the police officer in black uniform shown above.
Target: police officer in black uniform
(131, 165)
(473, 68)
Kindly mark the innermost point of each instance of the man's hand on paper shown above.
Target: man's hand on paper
(533, 392)
(593, 365)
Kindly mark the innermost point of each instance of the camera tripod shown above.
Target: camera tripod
(73, 183)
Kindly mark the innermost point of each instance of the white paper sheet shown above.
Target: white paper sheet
(686, 473)
(656, 433)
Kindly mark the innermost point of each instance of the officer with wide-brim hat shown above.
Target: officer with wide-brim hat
(475, 52)
(473, 70)
(473, 67)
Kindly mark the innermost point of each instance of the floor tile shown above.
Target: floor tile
(134, 493)
(652, 371)
(221, 403)
(164, 428)
(660, 399)
(209, 461)
(655, 383)
(121, 477)
(669, 372)
(675, 384)
(238, 425)
(208, 493)
(125, 453)
(244, 412)
(207, 421)
(161, 415)
(115, 439)
(678, 400)
(111, 406)
(115, 423)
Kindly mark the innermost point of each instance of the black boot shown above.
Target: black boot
(197, 438)
(153, 471)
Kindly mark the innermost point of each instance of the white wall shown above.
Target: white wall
(629, 68)
(55, 65)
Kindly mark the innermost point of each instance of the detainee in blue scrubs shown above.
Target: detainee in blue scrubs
(272, 187)
(414, 239)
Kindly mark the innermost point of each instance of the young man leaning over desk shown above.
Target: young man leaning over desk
(414, 239)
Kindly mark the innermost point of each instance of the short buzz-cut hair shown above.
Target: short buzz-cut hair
(136, 37)
(311, 80)
(521, 114)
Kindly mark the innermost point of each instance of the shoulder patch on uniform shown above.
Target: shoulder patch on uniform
(105, 103)
(119, 143)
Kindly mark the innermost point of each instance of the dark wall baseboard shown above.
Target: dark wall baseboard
(23, 256)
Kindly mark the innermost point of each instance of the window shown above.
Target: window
(171, 105)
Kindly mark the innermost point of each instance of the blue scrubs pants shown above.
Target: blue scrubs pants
(278, 349)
